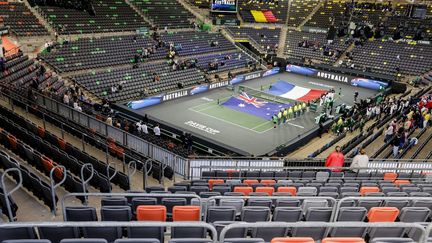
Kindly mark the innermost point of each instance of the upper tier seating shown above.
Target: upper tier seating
(137, 82)
(300, 10)
(21, 72)
(263, 36)
(386, 56)
(111, 15)
(330, 12)
(294, 49)
(89, 53)
(277, 9)
(20, 19)
(165, 13)
(195, 43)
(228, 64)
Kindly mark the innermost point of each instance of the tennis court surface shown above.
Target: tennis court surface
(222, 117)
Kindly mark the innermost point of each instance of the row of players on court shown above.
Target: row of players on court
(292, 112)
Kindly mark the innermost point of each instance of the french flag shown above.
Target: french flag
(294, 92)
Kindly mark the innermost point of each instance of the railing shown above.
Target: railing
(147, 149)
(378, 165)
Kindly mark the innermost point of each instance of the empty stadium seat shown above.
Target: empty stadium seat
(151, 213)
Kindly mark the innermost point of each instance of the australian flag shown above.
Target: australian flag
(254, 106)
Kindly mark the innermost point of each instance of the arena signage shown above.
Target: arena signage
(157, 99)
(332, 76)
(202, 127)
(354, 81)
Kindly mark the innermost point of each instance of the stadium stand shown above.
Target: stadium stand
(299, 11)
(314, 46)
(111, 16)
(67, 140)
(165, 13)
(263, 36)
(393, 57)
(21, 20)
(137, 82)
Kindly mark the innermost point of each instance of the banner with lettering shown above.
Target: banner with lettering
(354, 81)
(157, 99)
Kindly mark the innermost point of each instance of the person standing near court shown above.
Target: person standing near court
(285, 115)
(275, 120)
(279, 116)
(335, 159)
(290, 112)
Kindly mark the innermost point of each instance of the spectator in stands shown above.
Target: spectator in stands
(66, 98)
(388, 134)
(76, 105)
(109, 121)
(2, 64)
(360, 161)
(396, 143)
(335, 159)
(157, 130)
(144, 129)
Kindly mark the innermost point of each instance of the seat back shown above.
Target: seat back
(81, 213)
(221, 213)
(343, 240)
(243, 189)
(289, 189)
(268, 190)
(368, 189)
(151, 213)
(186, 213)
(116, 213)
(255, 214)
(292, 240)
(383, 214)
(287, 214)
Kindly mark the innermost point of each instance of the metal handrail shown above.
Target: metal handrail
(324, 225)
(8, 193)
(110, 177)
(329, 199)
(125, 194)
(208, 226)
(85, 181)
(345, 199)
(54, 185)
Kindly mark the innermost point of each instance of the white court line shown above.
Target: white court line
(292, 124)
(223, 120)
(260, 125)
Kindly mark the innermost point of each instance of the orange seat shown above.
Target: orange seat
(62, 143)
(267, 189)
(292, 240)
(186, 213)
(41, 132)
(289, 189)
(12, 141)
(367, 189)
(211, 182)
(243, 189)
(401, 182)
(151, 213)
(383, 214)
(268, 182)
(250, 182)
(343, 240)
(390, 176)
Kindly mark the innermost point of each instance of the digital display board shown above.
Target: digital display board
(227, 6)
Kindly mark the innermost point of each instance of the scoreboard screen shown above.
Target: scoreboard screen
(228, 6)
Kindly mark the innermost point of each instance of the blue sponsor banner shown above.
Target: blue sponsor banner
(198, 89)
(354, 81)
(244, 77)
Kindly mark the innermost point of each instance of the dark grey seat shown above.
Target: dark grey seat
(221, 213)
(287, 214)
(116, 213)
(95, 240)
(56, 234)
(244, 240)
(81, 213)
(137, 241)
(190, 240)
(114, 201)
